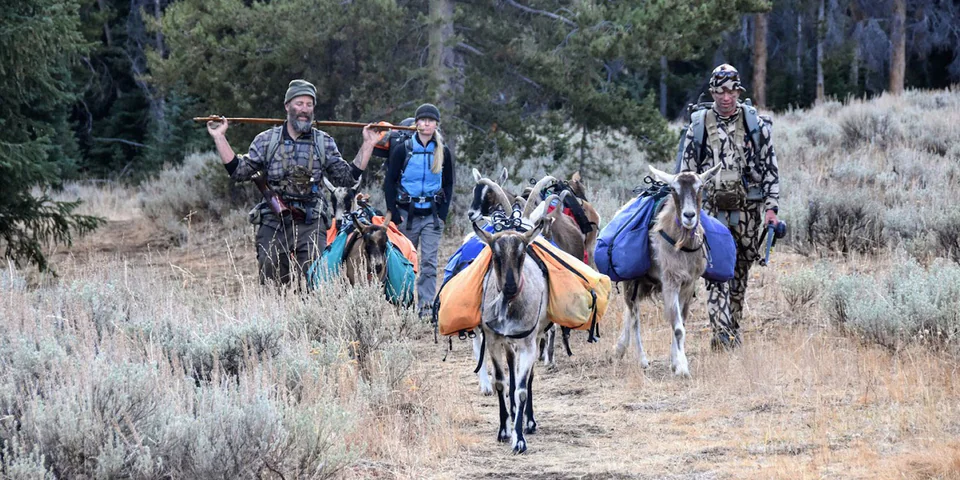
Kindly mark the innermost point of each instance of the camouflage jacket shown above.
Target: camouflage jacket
(297, 153)
(759, 168)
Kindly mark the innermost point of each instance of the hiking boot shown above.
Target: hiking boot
(725, 340)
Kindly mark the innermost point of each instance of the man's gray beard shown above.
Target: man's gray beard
(300, 126)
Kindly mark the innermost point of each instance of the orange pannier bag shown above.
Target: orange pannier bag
(460, 297)
(397, 238)
(578, 295)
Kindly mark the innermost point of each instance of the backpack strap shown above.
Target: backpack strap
(276, 133)
(320, 149)
(752, 120)
(697, 125)
(408, 147)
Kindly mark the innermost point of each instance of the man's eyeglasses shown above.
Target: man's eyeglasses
(723, 74)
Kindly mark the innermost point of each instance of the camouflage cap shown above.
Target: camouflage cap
(725, 77)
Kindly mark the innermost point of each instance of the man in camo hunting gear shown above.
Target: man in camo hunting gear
(744, 195)
(294, 157)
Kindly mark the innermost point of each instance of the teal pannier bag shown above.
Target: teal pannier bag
(400, 277)
(328, 266)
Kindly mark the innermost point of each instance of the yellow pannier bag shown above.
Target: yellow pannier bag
(578, 294)
(460, 297)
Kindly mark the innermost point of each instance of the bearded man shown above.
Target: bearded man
(294, 157)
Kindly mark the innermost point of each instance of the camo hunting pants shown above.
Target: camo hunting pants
(725, 300)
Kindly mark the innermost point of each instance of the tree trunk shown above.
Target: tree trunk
(663, 86)
(442, 57)
(799, 60)
(855, 67)
(821, 27)
(161, 102)
(856, 15)
(760, 60)
(108, 38)
(898, 44)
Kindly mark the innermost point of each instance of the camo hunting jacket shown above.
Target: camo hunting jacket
(297, 153)
(759, 169)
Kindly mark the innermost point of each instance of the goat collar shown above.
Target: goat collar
(673, 242)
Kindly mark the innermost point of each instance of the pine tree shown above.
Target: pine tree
(41, 40)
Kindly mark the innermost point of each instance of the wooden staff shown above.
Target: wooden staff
(317, 123)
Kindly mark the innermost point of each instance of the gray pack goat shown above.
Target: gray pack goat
(677, 260)
(513, 318)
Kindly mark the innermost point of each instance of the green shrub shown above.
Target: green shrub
(198, 190)
(803, 287)
(870, 124)
(909, 304)
(121, 374)
(844, 223)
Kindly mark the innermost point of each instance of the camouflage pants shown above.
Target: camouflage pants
(725, 300)
(277, 240)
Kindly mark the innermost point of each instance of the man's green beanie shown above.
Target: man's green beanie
(300, 87)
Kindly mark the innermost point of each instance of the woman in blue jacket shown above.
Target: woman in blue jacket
(419, 190)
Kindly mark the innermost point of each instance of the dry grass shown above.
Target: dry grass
(802, 399)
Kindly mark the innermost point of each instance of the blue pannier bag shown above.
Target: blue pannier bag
(721, 250)
(623, 245)
(328, 266)
(400, 277)
(464, 255)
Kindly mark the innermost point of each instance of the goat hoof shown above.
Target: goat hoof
(520, 447)
(644, 363)
(503, 436)
(531, 427)
(486, 391)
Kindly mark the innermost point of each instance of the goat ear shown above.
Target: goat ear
(386, 218)
(706, 176)
(326, 183)
(482, 234)
(476, 175)
(531, 234)
(575, 177)
(547, 223)
(662, 176)
(503, 176)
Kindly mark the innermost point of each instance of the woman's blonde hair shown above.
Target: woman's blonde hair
(437, 166)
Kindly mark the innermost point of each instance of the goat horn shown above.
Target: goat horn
(326, 183)
(533, 199)
(498, 191)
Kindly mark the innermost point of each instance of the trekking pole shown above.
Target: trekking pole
(317, 123)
